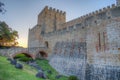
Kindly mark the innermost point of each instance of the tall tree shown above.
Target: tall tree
(2, 10)
(8, 36)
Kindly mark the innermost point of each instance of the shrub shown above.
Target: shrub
(25, 59)
(72, 78)
(19, 56)
(22, 57)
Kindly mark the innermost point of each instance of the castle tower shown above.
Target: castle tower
(50, 19)
(118, 2)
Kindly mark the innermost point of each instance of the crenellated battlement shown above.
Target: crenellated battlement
(57, 11)
(84, 20)
(50, 19)
(89, 19)
(99, 11)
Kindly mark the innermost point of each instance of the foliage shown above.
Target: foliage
(19, 56)
(4, 47)
(2, 10)
(9, 72)
(22, 57)
(8, 36)
(25, 59)
(72, 78)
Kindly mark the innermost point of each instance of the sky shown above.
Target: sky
(22, 14)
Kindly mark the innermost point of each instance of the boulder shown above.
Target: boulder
(32, 61)
(41, 74)
(38, 67)
(58, 76)
(19, 66)
(13, 62)
(49, 71)
(27, 62)
(9, 59)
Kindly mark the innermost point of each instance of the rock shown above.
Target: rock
(41, 74)
(27, 62)
(58, 76)
(45, 76)
(33, 64)
(38, 67)
(19, 66)
(32, 61)
(9, 59)
(14, 62)
(49, 71)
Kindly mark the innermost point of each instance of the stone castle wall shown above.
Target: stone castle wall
(118, 2)
(99, 31)
(74, 30)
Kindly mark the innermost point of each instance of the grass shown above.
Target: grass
(45, 66)
(9, 72)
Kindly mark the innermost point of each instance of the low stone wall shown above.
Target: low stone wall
(4, 52)
(10, 51)
(30, 51)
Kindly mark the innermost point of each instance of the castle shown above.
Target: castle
(95, 35)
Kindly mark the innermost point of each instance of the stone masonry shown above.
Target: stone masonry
(95, 29)
(98, 30)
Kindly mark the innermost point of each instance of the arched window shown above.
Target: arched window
(46, 44)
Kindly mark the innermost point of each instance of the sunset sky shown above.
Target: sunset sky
(22, 14)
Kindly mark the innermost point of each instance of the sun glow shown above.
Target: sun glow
(22, 43)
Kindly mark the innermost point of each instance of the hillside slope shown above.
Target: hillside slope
(9, 72)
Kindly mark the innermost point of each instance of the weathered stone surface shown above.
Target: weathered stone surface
(102, 72)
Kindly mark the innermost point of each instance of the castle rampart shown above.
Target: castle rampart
(87, 20)
(92, 40)
(68, 28)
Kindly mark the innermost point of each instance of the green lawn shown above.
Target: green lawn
(9, 72)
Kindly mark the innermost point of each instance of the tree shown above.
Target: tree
(8, 36)
(14, 36)
(4, 33)
(2, 10)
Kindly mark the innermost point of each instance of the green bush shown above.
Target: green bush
(22, 57)
(19, 56)
(72, 78)
(25, 59)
